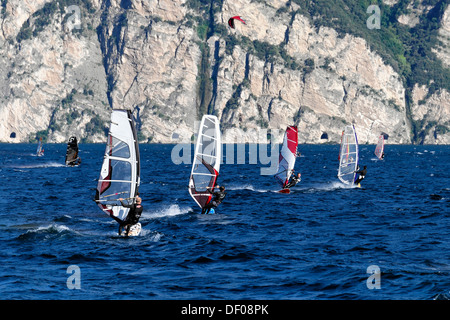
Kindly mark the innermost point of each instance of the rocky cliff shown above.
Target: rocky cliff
(66, 64)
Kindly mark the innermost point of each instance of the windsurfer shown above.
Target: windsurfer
(293, 180)
(133, 215)
(362, 173)
(75, 162)
(218, 198)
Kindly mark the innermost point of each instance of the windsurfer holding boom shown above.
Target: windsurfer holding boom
(362, 173)
(133, 215)
(218, 198)
(294, 180)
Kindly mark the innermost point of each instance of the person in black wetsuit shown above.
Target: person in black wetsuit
(133, 215)
(362, 174)
(293, 181)
(218, 198)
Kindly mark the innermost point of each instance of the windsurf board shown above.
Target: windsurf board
(135, 230)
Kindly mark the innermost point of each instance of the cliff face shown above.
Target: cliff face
(345, 83)
(52, 77)
(65, 65)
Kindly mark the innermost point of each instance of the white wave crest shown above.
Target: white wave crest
(335, 185)
(51, 164)
(247, 187)
(172, 210)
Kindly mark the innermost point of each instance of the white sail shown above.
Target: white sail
(119, 176)
(380, 147)
(348, 156)
(40, 150)
(206, 162)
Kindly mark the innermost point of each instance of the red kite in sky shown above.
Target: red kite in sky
(231, 21)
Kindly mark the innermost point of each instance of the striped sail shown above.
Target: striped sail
(207, 157)
(287, 157)
(119, 175)
(348, 156)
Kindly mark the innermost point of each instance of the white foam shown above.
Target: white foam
(247, 187)
(49, 229)
(58, 228)
(154, 236)
(335, 185)
(172, 210)
(39, 165)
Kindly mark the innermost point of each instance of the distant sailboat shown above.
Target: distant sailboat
(288, 154)
(348, 156)
(40, 148)
(206, 164)
(120, 172)
(379, 150)
(72, 158)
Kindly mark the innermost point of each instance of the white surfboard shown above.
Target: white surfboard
(135, 230)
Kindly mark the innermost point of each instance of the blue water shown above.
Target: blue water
(315, 243)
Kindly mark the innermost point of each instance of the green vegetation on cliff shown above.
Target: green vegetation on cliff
(407, 49)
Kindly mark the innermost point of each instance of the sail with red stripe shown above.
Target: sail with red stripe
(120, 172)
(287, 157)
(207, 158)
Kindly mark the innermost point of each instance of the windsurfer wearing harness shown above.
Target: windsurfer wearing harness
(133, 215)
(294, 180)
(362, 174)
(218, 198)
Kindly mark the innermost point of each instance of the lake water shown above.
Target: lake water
(322, 241)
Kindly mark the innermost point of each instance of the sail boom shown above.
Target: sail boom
(206, 155)
(204, 174)
(206, 136)
(127, 181)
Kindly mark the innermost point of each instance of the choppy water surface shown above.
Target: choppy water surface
(315, 243)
